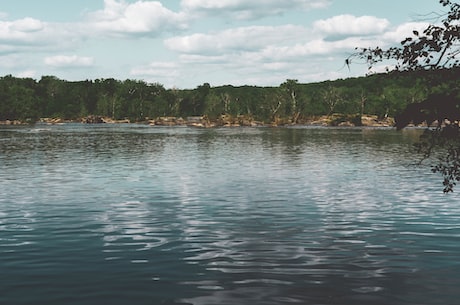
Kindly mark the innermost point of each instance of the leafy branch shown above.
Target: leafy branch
(437, 47)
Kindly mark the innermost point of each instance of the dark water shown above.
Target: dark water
(141, 215)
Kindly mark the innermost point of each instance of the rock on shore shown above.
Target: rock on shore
(230, 121)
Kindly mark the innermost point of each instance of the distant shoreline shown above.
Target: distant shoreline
(335, 120)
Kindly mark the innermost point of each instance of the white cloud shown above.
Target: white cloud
(27, 25)
(205, 60)
(141, 17)
(243, 9)
(66, 61)
(237, 39)
(155, 68)
(315, 50)
(398, 34)
(262, 54)
(29, 35)
(261, 44)
(22, 30)
(27, 74)
(270, 54)
(348, 25)
(166, 73)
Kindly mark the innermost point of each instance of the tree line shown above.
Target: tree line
(384, 95)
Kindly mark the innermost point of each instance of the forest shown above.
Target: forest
(383, 95)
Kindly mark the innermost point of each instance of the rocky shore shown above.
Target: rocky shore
(245, 121)
(227, 121)
(12, 122)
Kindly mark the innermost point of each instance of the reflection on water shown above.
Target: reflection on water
(141, 215)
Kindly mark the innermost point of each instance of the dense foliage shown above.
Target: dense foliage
(383, 95)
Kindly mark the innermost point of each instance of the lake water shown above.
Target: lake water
(132, 214)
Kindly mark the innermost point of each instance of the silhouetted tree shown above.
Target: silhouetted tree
(436, 48)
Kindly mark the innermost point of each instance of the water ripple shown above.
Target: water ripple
(138, 215)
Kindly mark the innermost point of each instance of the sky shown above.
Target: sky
(186, 43)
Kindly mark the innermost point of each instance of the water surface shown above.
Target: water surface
(131, 214)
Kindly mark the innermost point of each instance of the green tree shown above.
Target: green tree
(17, 99)
(108, 102)
(435, 49)
(156, 101)
(331, 97)
(194, 101)
(291, 88)
(51, 90)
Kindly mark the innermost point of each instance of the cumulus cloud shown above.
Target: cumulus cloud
(236, 39)
(22, 30)
(404, 30)
(141, 17)
(27, 25)
(258, 54)
(342, 26)
(316, 50)
(262, 46)
(243, 9)
(68, 61)
(32, 35)
(167, 73)
(284, 42)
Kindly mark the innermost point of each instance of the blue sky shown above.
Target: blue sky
(185, 43)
